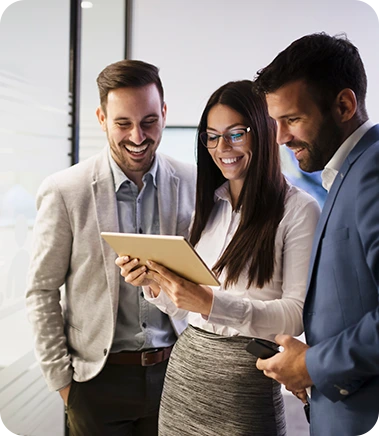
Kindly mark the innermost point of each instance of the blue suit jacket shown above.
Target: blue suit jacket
(341, 311)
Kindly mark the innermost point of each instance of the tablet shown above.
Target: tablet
(173, 252)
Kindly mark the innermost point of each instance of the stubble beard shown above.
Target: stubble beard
(321, 150)
(126, 162)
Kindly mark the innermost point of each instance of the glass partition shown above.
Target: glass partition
(35, 141)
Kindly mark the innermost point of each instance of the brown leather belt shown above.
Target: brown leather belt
(143, 358)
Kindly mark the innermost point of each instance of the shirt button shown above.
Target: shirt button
(344, 392)
(144, 325)
(105, 351)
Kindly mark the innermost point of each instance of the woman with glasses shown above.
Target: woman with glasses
(255, 231)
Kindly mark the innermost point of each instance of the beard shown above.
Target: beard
(317, 154)
(130, 162)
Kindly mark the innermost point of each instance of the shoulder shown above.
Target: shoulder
(370, 156)
(175, 167)
(72, 179)
(296, 197)
(300, 204)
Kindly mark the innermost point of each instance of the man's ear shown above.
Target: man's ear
(346, 105)
(164, 114)
(102, 118)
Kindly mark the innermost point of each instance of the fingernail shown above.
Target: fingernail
(126, 258)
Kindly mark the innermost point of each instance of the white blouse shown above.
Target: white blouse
(277, 307)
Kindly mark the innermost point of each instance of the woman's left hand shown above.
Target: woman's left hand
(183, 293)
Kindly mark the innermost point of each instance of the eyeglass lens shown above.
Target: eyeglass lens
(234, 137)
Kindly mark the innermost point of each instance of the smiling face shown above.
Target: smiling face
(134, 121)
(314, 137)
(234, 161)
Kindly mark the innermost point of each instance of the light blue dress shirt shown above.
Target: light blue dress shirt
(140, 325)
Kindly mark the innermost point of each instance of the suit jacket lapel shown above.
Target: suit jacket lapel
(168, 191)
(107, 219)
(368, 139)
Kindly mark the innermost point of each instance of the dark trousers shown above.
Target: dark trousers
(123, 400)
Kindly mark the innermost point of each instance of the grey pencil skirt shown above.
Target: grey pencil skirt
(213, 388)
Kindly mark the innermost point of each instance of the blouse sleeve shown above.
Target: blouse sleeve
(163, 303)
(283, 313)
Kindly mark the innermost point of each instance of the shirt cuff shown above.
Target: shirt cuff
(226, 308)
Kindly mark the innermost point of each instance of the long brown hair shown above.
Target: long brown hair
(261, 201)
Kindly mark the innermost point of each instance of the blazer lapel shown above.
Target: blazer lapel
(368, 139)
(107, 220)
(168, 191)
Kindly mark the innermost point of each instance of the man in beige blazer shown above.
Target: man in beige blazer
(98, 341)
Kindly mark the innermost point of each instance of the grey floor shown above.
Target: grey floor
(297, 424)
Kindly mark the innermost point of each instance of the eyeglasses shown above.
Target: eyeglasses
(235, 137)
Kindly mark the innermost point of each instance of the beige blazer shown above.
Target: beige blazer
(74, 326)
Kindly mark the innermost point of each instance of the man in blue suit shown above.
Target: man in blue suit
(315, 90)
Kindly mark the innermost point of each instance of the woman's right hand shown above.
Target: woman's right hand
(136, 277)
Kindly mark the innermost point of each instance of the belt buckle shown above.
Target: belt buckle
(144, 357)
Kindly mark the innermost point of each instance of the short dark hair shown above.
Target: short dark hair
(127, 73)
(327, 64)
(261, 200)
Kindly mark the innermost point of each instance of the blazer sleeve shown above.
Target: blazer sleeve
(340, 365)
(52, 242)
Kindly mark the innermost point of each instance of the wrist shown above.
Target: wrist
(208, 301)
(154, 289)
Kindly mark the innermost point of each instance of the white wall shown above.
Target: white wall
(201, 44)
(103, 42)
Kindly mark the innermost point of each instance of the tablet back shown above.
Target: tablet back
(173, 252)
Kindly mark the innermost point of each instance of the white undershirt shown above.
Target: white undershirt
(333, 166)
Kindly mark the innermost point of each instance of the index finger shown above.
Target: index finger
(153, 266)
(169, 275)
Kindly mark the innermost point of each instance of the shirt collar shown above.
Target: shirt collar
(223, 193)
(119, 176)
(333, 166)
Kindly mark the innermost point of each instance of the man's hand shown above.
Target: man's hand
(64, 393)
(301, 395)
(288, 367)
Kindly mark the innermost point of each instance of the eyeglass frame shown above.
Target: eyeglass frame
(245, 129)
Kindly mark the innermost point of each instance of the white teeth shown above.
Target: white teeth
(230, 160)
(136, 149)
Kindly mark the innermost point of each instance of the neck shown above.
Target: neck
(352, 125)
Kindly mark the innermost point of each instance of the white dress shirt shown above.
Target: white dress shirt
(333, 166)
(275, 308)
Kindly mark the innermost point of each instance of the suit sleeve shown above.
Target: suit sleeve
(340, 365)
(52, 242)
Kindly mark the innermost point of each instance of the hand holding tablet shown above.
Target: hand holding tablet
(173, 252)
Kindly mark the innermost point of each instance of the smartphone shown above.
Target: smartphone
(262, 348)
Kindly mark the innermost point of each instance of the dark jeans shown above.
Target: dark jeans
(123, 400)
